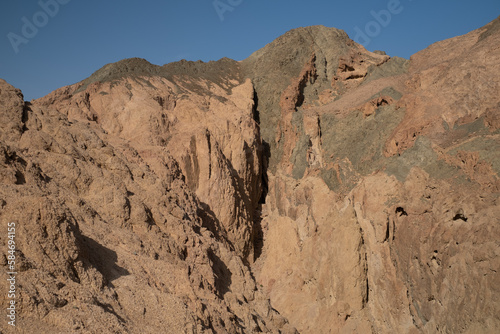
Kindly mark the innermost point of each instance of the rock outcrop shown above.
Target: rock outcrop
(111, 237)
(315, 187)
(379, 197)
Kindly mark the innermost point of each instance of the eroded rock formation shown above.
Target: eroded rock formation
(314, 187)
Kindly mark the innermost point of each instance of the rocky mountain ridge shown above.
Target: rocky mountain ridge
(314, 187)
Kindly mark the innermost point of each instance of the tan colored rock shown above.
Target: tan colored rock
(146, 200)
(11, 111)
(372, 258)
(216, 143)
(369, 107)
(311, 265)
(110, 239)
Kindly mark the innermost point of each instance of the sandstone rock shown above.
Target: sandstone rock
(110, 238)
(315, 187)
(413, 162)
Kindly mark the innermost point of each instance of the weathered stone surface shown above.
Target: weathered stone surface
(111, 238)
(404, 160)
(314, 187)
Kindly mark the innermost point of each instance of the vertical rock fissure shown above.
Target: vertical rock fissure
(258, 233)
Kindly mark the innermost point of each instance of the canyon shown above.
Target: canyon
(314, 187)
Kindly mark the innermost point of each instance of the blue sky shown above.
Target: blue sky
(70, 39)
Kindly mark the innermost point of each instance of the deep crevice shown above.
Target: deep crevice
(387, 231)
(258, 233)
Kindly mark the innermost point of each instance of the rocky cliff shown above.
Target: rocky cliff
(314, 187)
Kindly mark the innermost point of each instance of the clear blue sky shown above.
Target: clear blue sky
(85, 35)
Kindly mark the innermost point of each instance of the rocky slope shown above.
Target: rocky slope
(114, 234)
(382, 211)
(314, 187)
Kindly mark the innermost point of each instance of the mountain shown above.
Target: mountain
(314, 187)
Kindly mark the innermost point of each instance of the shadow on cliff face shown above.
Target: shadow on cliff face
(258, 233)
(222, 274)
(103, 259)
(258, 241)
(212, 223)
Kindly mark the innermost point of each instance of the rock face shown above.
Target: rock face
(314, 187)
(111, 234)
(378, 199)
